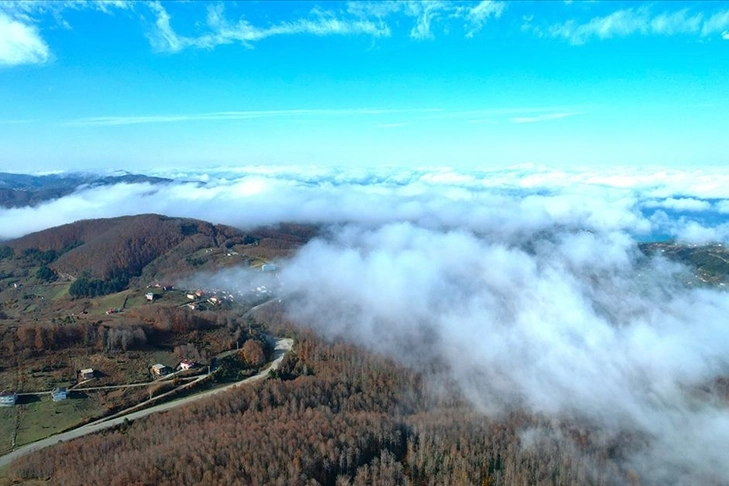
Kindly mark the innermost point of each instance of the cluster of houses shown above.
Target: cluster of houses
(9, 398)
(158, 370)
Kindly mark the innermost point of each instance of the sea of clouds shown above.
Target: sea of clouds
(690, 206)
(527, 284)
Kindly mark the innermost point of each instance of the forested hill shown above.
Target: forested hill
(150, 244)
(18, 190)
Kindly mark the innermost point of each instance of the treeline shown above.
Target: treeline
(150, 325)
(34, 339)
(336, 415)
(85, 286)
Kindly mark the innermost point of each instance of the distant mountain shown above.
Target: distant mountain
(18, 190)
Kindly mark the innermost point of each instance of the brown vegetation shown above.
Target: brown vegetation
(334, 415)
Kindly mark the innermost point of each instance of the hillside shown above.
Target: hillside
(710, 262)
(151, 246)
(18, 190)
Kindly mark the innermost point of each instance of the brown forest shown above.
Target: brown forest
(333, 414)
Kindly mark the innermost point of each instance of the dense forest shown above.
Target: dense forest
(333, 414)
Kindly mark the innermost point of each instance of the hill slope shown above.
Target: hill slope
(18, 190)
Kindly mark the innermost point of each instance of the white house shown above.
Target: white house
(8, 398)
(160, 370)
(86, 374)
(186, 364)
(59, 394)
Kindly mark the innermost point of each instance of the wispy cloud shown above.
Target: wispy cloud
(391, 125)
(543, 117)
(433, 15)
(21, 43)
(487, 115)
(638, 21)
(15, 122)
(221, 31)
(240, 115)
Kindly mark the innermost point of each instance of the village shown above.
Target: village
(199, 299)
(107, 384)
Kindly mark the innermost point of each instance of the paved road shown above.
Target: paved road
(283, 345)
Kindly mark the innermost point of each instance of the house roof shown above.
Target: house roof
(7, 393)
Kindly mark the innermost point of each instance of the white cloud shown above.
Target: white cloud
(319, 23)
(518, 201)
(20, 43)
(543, 117)
(680, 204)
(477, 16)
(725, 35)
(432, 17)
(641, 21)
(240, 115)
(573, 325)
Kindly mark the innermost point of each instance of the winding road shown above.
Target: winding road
(283, 345)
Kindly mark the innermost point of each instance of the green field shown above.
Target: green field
(7, 424)
(112, 301)
(43, 417)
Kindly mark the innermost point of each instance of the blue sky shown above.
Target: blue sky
(468, 84)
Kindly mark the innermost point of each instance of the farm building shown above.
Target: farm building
(186, 364)
(8, 398)
(59, 394)
(149, 296)
(86, 374)
(160, 370)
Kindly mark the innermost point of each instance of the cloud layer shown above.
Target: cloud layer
(572, 325)
(687, 205)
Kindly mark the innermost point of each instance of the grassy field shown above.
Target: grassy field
(42, 417)
(112, 301)
(7, 424)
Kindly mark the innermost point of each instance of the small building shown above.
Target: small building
(192, 305)
(8, 398)
(187, 364)
(214, 300)
(160, 370)
(86, 374)
(191, 296)
(149, 296)
(268, 267)
(59, 394)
